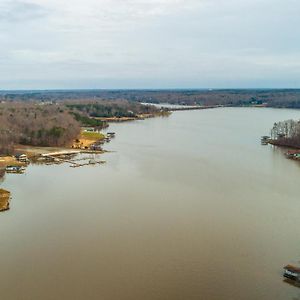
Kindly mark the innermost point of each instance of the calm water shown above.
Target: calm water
(188, 207)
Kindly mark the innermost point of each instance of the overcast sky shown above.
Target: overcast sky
(149, 43)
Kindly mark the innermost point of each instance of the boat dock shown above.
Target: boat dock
(65, 157)
(265, 140)
(292, 272)
(91, 162)
(60, 153)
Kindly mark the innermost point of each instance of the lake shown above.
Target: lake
(186, 207)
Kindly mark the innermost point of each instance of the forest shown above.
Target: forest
(286, 133)
(283, 98)
(36, 125)
(54, 118)
(112, 108)
(57, 124)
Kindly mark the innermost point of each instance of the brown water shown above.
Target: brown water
(188, 207)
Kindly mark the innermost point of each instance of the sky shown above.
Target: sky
(56, 44)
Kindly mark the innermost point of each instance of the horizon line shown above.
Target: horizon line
(144, 89)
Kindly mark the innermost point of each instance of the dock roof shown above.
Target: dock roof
(292, 268)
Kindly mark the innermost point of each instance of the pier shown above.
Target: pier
(65, 157)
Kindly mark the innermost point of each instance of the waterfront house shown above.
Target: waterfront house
(88, 129)
(21, 157)
(111, 134)
(293, 154)
(96, 147)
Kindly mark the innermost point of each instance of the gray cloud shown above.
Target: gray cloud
(18, 11)
(149, 43)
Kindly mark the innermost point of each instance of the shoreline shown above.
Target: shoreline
(89, 141)
(283, 144)
(135, 118)
(84, 144)
(88, 137)
(290, 151)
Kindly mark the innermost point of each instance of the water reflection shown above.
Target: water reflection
(292, 282)
(2, 175)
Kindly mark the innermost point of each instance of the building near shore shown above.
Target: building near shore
(21, 157)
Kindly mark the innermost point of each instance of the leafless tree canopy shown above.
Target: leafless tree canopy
(286, 133)
(52, 123)
(35, 124)
(230, 97)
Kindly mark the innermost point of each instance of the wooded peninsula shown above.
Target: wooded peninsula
(56, 124)
(286, 133)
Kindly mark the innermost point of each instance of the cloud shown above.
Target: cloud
(196, 42)
(18, 11)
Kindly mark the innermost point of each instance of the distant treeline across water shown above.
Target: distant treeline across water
(281, 98)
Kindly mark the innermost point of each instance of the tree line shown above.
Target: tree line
(38, 123)
(288, 98)
(111, 108)
(286, 133)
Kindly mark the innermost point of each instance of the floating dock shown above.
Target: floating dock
(265, 140)
(60, 153)
(65, 157)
